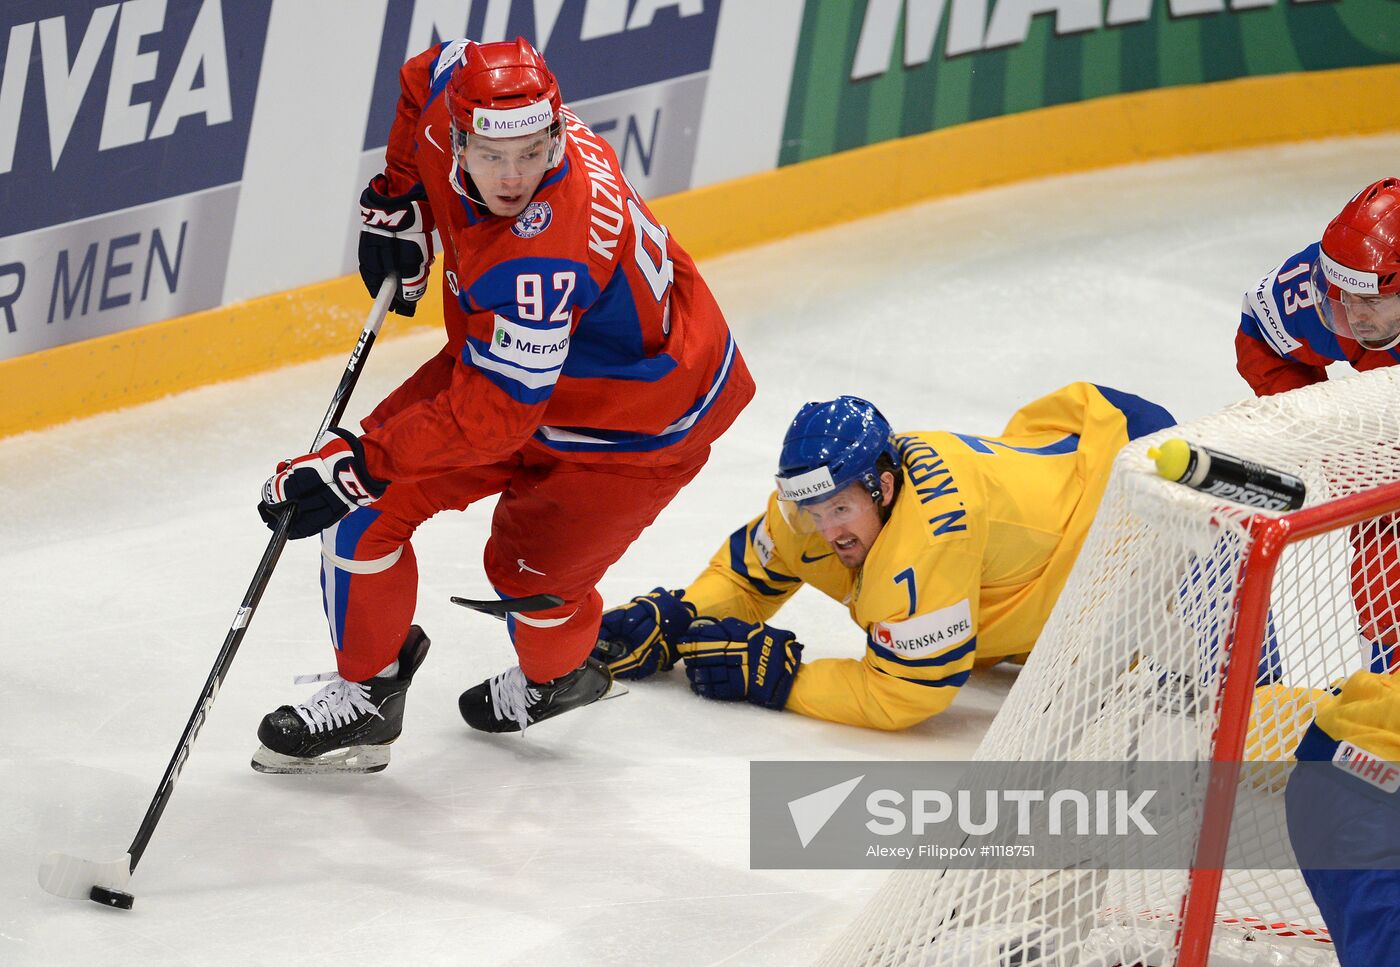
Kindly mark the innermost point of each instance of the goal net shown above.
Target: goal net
(1191, 630)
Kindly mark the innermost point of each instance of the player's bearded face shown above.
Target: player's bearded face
(1368, 316)
(1375, 320)
(849, 522)
(506, 170)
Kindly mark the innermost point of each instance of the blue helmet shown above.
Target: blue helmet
(831, 445)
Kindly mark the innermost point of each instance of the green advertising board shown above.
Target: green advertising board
(871, 70)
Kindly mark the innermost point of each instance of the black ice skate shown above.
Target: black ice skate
(346, 726)
(508, 702)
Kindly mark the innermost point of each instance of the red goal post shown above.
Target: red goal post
(1270, 536)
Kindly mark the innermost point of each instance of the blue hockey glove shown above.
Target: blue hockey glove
(322, 486)
(394, 238)
(732, 660)
(637, 639)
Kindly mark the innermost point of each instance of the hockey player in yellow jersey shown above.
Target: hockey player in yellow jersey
(948, 549)
(1343, 803)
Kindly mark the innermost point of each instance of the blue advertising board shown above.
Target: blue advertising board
(123, 130)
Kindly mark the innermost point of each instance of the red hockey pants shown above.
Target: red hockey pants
(557, 528)
(1375, 588)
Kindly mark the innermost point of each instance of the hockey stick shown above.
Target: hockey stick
(499, 608)
(530, 602)
(105, 881)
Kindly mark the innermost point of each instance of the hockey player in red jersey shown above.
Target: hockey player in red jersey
(586, 371)
(1339, 299)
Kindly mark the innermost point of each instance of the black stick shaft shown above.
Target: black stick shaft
(261, 576)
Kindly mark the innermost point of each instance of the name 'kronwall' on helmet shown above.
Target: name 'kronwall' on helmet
(1356, 280)
(830, 446)
(503, 90)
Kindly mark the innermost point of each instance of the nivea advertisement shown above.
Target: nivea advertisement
(123, 129)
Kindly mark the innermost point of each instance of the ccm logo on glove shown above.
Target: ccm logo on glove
(378, 218)
(394, 238)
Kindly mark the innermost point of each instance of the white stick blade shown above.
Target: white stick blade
(72, 877)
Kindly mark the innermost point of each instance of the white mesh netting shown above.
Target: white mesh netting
(1129, 668)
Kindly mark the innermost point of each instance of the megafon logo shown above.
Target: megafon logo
(1349, 279)
(502, 339)
(482, 123)
(812, 812)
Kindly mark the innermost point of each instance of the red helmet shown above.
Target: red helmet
(1360, 264)
(1365, 238)
(504, 90)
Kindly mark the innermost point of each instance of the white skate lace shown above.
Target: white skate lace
(339, 703)
(511, 696)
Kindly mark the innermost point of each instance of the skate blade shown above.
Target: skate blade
(615, 690)
(357, 759)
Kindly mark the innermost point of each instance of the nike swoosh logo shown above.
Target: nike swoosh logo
(428, 133)
(813, 560)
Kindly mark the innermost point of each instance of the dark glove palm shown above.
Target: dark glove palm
(636, 639)
(733, 660)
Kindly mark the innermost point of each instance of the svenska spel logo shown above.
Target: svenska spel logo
(533, 220)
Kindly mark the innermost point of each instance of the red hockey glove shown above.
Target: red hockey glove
(395, 239)
(322, 487)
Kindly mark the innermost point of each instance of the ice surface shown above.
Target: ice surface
(615, 835)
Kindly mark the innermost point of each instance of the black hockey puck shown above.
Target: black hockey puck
(111, 898)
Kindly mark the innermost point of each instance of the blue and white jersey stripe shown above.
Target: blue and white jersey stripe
(523, 360)
(576, 439)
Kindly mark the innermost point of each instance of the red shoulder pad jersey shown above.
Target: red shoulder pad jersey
(1282, 342)
(580, 326)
